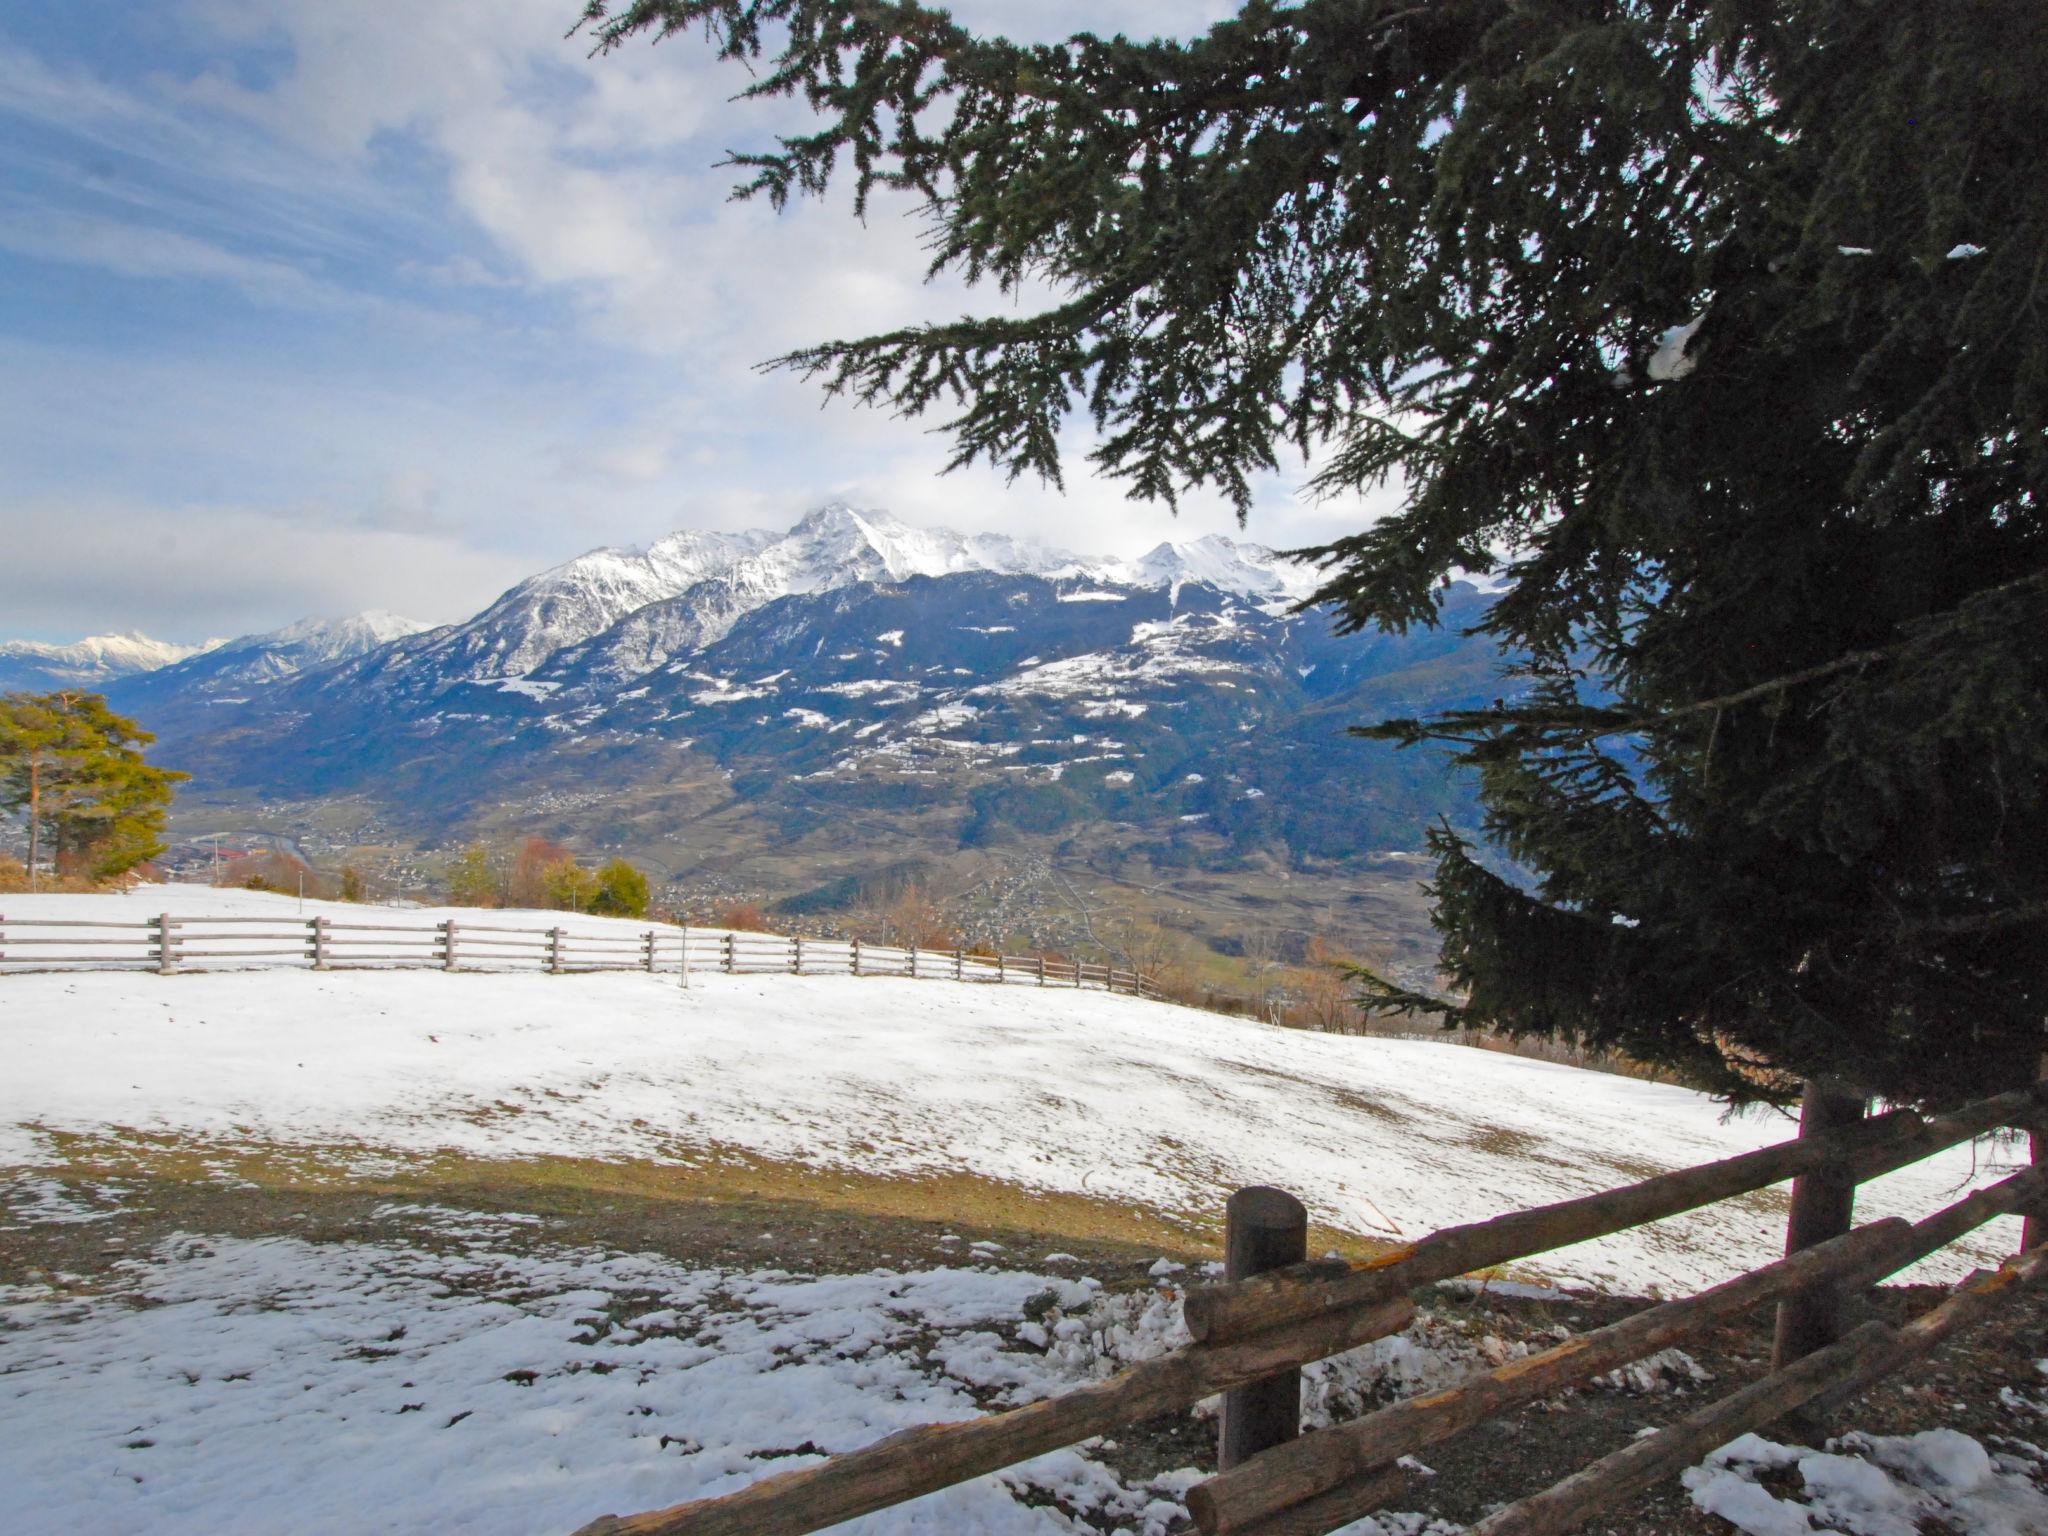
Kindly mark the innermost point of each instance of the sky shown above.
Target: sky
(312, 306)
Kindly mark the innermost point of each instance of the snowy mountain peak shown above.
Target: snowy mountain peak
(331, 639)
(1249, 570)
(94, 660)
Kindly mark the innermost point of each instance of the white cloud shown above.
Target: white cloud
(165, 569)
(542, 317)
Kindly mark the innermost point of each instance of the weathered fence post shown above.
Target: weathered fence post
(448, 945)
(2035, 1232)
(554, 951)
(796, 954)
(1823, 1205)
(166, 954)
(1001, 973)
(728, 953)
(856, 957)
(3, 935)
(1263, 1228)
(650, 951)
(959, 964)
(913, 962)
(1041, 970)
(319, 927)
(686, 955)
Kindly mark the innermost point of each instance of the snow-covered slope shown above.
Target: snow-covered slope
(94, 660)
(1052, 1090)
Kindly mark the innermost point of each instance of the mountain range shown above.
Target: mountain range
(770, 710)
(39, 667)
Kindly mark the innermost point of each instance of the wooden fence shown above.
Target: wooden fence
(1253, 1332)
(168, 945)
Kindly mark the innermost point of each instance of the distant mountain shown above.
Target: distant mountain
(99, 659)
(796, 710)
(232, 669)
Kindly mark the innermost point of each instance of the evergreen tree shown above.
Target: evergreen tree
(1711, 327)
(621, 890)
(75, 773)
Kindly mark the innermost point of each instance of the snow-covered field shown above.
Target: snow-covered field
(481, 1376)
(1069, 1092)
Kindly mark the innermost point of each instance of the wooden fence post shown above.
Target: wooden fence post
(650, 951)
(796, 954)
(1823, 1205)
(448, 945)
(913, 962)
(1001, 974)
(959, 964)
(319, 927)
(1041, 970)
(1263, 1228)
(166, 954)
(728, 953)
(2035, 1232)
(554, 951)
(686, 955)
(856, 957)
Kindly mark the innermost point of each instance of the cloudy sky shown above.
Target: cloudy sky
(309, 306)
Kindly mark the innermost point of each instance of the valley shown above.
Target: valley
(802, 721)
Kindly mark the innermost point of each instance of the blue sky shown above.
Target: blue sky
(308, 306)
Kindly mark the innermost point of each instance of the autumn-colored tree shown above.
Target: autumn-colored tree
(567, 886)
(526, 886)
(474, 879)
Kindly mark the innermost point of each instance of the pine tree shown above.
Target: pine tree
(75, 773)
(1711, 327)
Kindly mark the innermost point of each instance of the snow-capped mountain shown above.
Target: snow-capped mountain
(794, 710)
(703, 583)
(1247, 570)
(614, 614)
(95, 660)
(232, 668)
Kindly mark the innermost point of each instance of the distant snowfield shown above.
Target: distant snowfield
(1052, 1090)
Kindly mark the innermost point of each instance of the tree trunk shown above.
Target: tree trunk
(1823, 1205)
(35, 814)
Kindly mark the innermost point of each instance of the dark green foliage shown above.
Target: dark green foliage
(1714, 325)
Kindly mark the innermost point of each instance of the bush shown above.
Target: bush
(621, 890)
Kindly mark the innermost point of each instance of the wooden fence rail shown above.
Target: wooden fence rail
(1259, 1330)
(170, 944)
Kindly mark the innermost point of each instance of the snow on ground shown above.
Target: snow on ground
(486, 1385)
(1052, 1090)
(1876, 1485)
